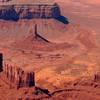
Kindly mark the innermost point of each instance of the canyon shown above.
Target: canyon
(62, 51)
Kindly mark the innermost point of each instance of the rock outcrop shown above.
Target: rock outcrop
(28, 11)
(18, 77)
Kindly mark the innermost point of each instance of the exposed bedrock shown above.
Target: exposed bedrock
(15, 12)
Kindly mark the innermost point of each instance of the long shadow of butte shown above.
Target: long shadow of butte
(62, 19)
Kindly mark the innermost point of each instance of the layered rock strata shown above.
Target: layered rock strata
(29, 11)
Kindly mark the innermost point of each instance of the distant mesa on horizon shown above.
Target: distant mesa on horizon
(41, 10)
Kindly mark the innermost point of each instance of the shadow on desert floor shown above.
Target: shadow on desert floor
(62, 19)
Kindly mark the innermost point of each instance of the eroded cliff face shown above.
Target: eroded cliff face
(15, 12)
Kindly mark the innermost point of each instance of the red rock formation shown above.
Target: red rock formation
(18, 77)
(29, 11)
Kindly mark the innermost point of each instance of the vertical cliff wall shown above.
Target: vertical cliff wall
(28, 11)
(17, 77)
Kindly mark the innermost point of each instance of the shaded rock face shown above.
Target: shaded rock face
(56, 12)
(1, 62)
(8, 13)
(15, 12)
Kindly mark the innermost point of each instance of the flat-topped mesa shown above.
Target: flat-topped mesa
(15, 11)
